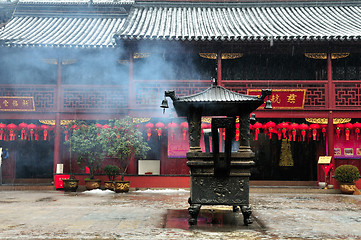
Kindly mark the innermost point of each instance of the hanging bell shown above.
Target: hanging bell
(252, 119)
(164, 104)
(268, 104)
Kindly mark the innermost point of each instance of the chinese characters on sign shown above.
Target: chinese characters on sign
(284, 98)
(17, 104)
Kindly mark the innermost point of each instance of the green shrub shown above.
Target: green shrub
(112, 171)
(347, 174)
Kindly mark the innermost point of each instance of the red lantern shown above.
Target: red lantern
(357, 127)
(271, 128)
(45, 128)
(293, 130)
(22, 127)
(348, 127)
(12, 127)
(303, 128)
(149, 127)
(171, 127)
(339, 128)
(314, 128)
(184, 126)
(2, 131)
(323, 129)
(66, 133)
(31, 128)
(256, 128)
(237, 131)
(159, 127)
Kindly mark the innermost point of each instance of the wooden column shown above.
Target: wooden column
(330, 106)
(219, 68)
(57, 130)
(131, 86)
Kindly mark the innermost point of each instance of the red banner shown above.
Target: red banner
(283, 98)
(16, 104)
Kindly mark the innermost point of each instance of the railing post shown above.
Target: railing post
(330, 106)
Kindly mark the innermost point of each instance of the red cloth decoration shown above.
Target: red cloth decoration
(171, 127)
(327, 167)
(314, 127)
(348, 127)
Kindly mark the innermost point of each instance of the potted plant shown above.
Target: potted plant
(112, 172)
(346, 176)
(70, 185)
(85, 142)
(124, 142)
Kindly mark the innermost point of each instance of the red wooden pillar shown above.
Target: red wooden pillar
(330, 106)
(57, 132)
(219, 68)
(132, 168)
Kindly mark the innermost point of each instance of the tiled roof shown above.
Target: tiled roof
(218, 94)
(77, 1)
(60, 32)
(240, 22)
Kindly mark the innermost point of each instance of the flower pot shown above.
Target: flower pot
(109, 185)
(121, 186)
(347, 188)
(322, 185)
(91, 184)
(70, 185)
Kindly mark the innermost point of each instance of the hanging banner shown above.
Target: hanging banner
(20, 104)
(283, 98)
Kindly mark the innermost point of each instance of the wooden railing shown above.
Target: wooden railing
(148, 94)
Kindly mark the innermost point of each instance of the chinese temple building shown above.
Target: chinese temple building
(96, 60)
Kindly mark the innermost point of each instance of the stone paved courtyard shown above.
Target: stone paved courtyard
(162, 214)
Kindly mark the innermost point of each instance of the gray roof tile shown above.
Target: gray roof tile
(330, 21)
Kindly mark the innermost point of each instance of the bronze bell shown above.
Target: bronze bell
(164, 103)
(268, 104)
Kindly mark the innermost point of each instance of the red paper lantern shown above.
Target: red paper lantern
(184, 126)
(339, 128)
(348, 127)
(271, 128)
(22, 127)
(357, 127)
(237, 131)
(171, 127)
(314, 128)
(2, 131)
(256, 127)
(293, 130)
(159, 127)
(323, 129)
(303, 128)
(45, 129)
(31, 128)
(12, 127)
(149, 127)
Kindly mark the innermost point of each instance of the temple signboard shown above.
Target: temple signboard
(15, 104)
(283, 98)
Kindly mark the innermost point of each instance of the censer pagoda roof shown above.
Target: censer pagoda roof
(216, 101)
